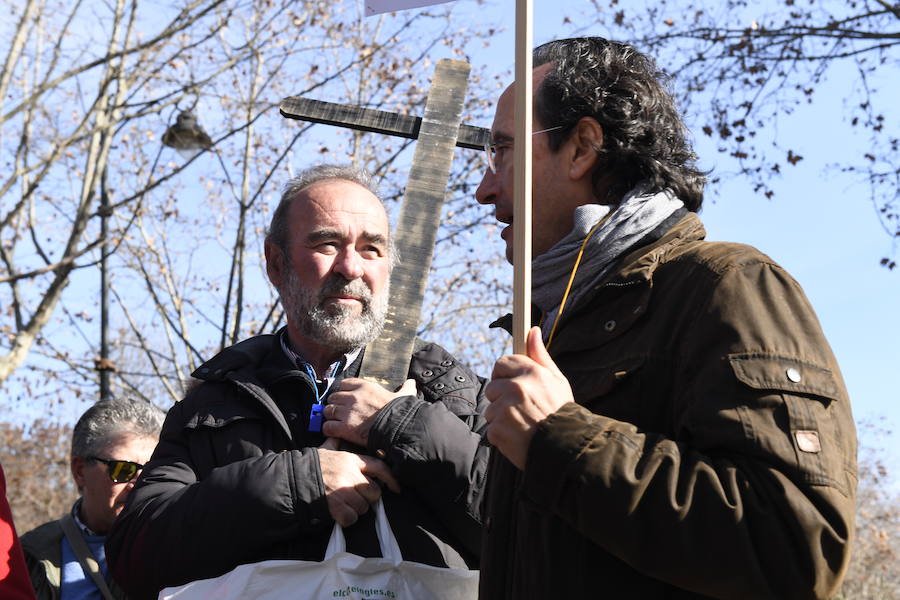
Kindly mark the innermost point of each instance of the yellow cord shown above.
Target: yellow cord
(562, 305)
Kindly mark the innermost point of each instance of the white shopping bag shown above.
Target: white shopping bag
(339, 575)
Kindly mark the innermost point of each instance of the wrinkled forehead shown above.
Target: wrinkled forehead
(340, 204)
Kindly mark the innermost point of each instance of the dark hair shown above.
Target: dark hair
(106, 420)
(644, 138)
(279, 233)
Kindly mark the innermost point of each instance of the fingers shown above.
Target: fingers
(351, 482)
(343, 431)
(515, 365)
(346, 505)
(379, 469)
(534, 347)
(369, 492)
(512, 365)
(331, 443)
(408, 388)
(496, 389)
(352, 384)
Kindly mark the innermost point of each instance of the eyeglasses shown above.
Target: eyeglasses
(490, 148)
(120, 471)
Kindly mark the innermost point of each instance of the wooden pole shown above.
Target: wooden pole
(522, 181)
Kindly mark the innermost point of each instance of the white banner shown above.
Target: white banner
(374, 7)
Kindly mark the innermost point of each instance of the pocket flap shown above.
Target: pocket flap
(592, 381)
(772, 372)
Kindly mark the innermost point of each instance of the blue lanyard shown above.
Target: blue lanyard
(316, 416)
(316, 412)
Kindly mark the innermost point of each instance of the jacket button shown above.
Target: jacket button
(793, 374)
(315, 521)
(447, 363)
(459, 378)
(609, 325)
(380, 453)
(439, 386)
(427, 373)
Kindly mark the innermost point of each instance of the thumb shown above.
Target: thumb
(331, 444)
(408, 388)
(536, 351)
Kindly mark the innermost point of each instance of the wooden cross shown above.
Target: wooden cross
(436, 133)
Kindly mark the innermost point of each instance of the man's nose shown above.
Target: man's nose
(485, 192)
(349, 264)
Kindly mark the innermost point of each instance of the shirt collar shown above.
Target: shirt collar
(76, 508)
(333, 370)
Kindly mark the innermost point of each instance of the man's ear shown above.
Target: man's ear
(274, 264)
(586, 140)
(77, 465)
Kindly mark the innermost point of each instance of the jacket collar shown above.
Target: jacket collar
(641, 263)
(252, 365)
(632, 281)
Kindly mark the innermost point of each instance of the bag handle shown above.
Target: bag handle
(85, 557)
(390, 549)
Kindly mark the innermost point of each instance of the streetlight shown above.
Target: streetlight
(186, 136)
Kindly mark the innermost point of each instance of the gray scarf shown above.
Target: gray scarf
(634, 217)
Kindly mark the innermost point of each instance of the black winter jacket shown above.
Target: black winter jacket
(235, 478)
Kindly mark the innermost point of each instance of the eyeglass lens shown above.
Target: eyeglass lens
(120, 471)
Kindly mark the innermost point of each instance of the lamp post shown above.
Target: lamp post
(186, 136)
(103, 364)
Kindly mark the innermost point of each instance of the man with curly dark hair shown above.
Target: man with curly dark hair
(679, 427)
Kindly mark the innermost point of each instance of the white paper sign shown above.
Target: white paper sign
(374, 7)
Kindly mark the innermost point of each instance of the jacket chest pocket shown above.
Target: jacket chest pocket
(222, 434)
(803, 428)
(636, 389)
(613, 389)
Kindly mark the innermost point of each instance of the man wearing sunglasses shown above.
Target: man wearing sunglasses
(679, 427)
(110, 444)
(281, 439)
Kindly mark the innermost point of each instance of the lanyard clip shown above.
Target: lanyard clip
(316, 417)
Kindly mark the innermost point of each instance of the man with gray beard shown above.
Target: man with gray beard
(279, 439)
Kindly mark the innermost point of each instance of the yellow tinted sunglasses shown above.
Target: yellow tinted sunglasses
(120, 471)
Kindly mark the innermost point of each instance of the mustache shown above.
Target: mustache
(337, 285)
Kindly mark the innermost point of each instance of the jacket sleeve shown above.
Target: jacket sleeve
(188, 519)
(433, 444)
(751, 495)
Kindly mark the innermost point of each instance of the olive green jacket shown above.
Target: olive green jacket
(710, 451)
(43, 555)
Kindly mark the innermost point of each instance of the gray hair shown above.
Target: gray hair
(279, 232)
(107, 420)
